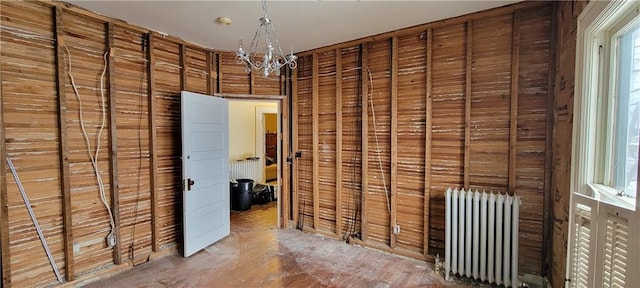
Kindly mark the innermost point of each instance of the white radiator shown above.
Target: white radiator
(246, 169)
(481, 236)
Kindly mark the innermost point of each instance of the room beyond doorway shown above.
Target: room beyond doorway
(254, 151)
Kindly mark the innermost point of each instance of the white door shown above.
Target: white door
(205, 170)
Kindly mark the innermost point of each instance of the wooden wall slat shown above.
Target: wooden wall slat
(531, 137)
(378, 192)
(351, 138)
(447, 123)
(304, 166)
(167, 72)
(86, 40)
(451, 110)
(325, 87)
(33, 135)
(236, 79)
(134, 175)
(196, 73)
(411, 136)
(31, 139)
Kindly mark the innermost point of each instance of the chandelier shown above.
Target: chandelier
(273, 59)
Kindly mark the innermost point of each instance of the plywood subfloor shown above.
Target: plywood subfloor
(257, 254)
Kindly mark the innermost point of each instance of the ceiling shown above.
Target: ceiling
(304, 24)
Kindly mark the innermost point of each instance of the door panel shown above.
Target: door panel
(205, 166)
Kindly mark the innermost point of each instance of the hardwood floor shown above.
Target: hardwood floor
(257, 254)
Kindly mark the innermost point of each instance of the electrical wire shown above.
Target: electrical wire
(375, 133)
(139, 180)
(92, 157)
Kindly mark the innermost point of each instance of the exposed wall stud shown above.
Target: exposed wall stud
(113, 144)
(428, 137)
(316, 156)
(67, 222)
(513, 124)
(218, 81)
(365, 138)
(547, 229)
(339, 141)
(153, 161)
(467, 109)
(393, 220)
(209, 66)
(294, 129)
(183, 67)
(5, 253)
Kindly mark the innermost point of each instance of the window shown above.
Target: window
(612, 99)
(604, 209)
(625, 173)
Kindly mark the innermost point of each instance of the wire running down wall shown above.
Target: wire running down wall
(461, 102)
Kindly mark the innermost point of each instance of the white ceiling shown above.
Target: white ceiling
(304, 24)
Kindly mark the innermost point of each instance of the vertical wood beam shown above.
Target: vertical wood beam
(67, 222)
(284, 166)
(113, 144)
(513, 123)
(183, 66)
(364, 54)
(252, 82)
(218, 81)
(296, 138)
(394, 141)
(5, 256)
(339, 141)
(153, 160)
(428, 138)
(316, 156)
(209, 65)
(547, 227)
(467, 106)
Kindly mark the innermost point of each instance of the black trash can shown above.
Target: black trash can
(241, 197)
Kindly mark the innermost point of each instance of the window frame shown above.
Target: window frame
(592, 170)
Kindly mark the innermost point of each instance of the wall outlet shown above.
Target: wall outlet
(396, 229)
(76, 248)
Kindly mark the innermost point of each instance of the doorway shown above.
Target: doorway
(254, 145)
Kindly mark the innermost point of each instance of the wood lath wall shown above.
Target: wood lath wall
(460, 102)
(566, 17)
(139, 158)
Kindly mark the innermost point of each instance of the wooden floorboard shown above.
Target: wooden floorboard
(257, 254)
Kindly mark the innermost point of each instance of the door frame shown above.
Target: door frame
(260, 133)
(283, 145)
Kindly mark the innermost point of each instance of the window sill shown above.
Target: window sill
(610, 195)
